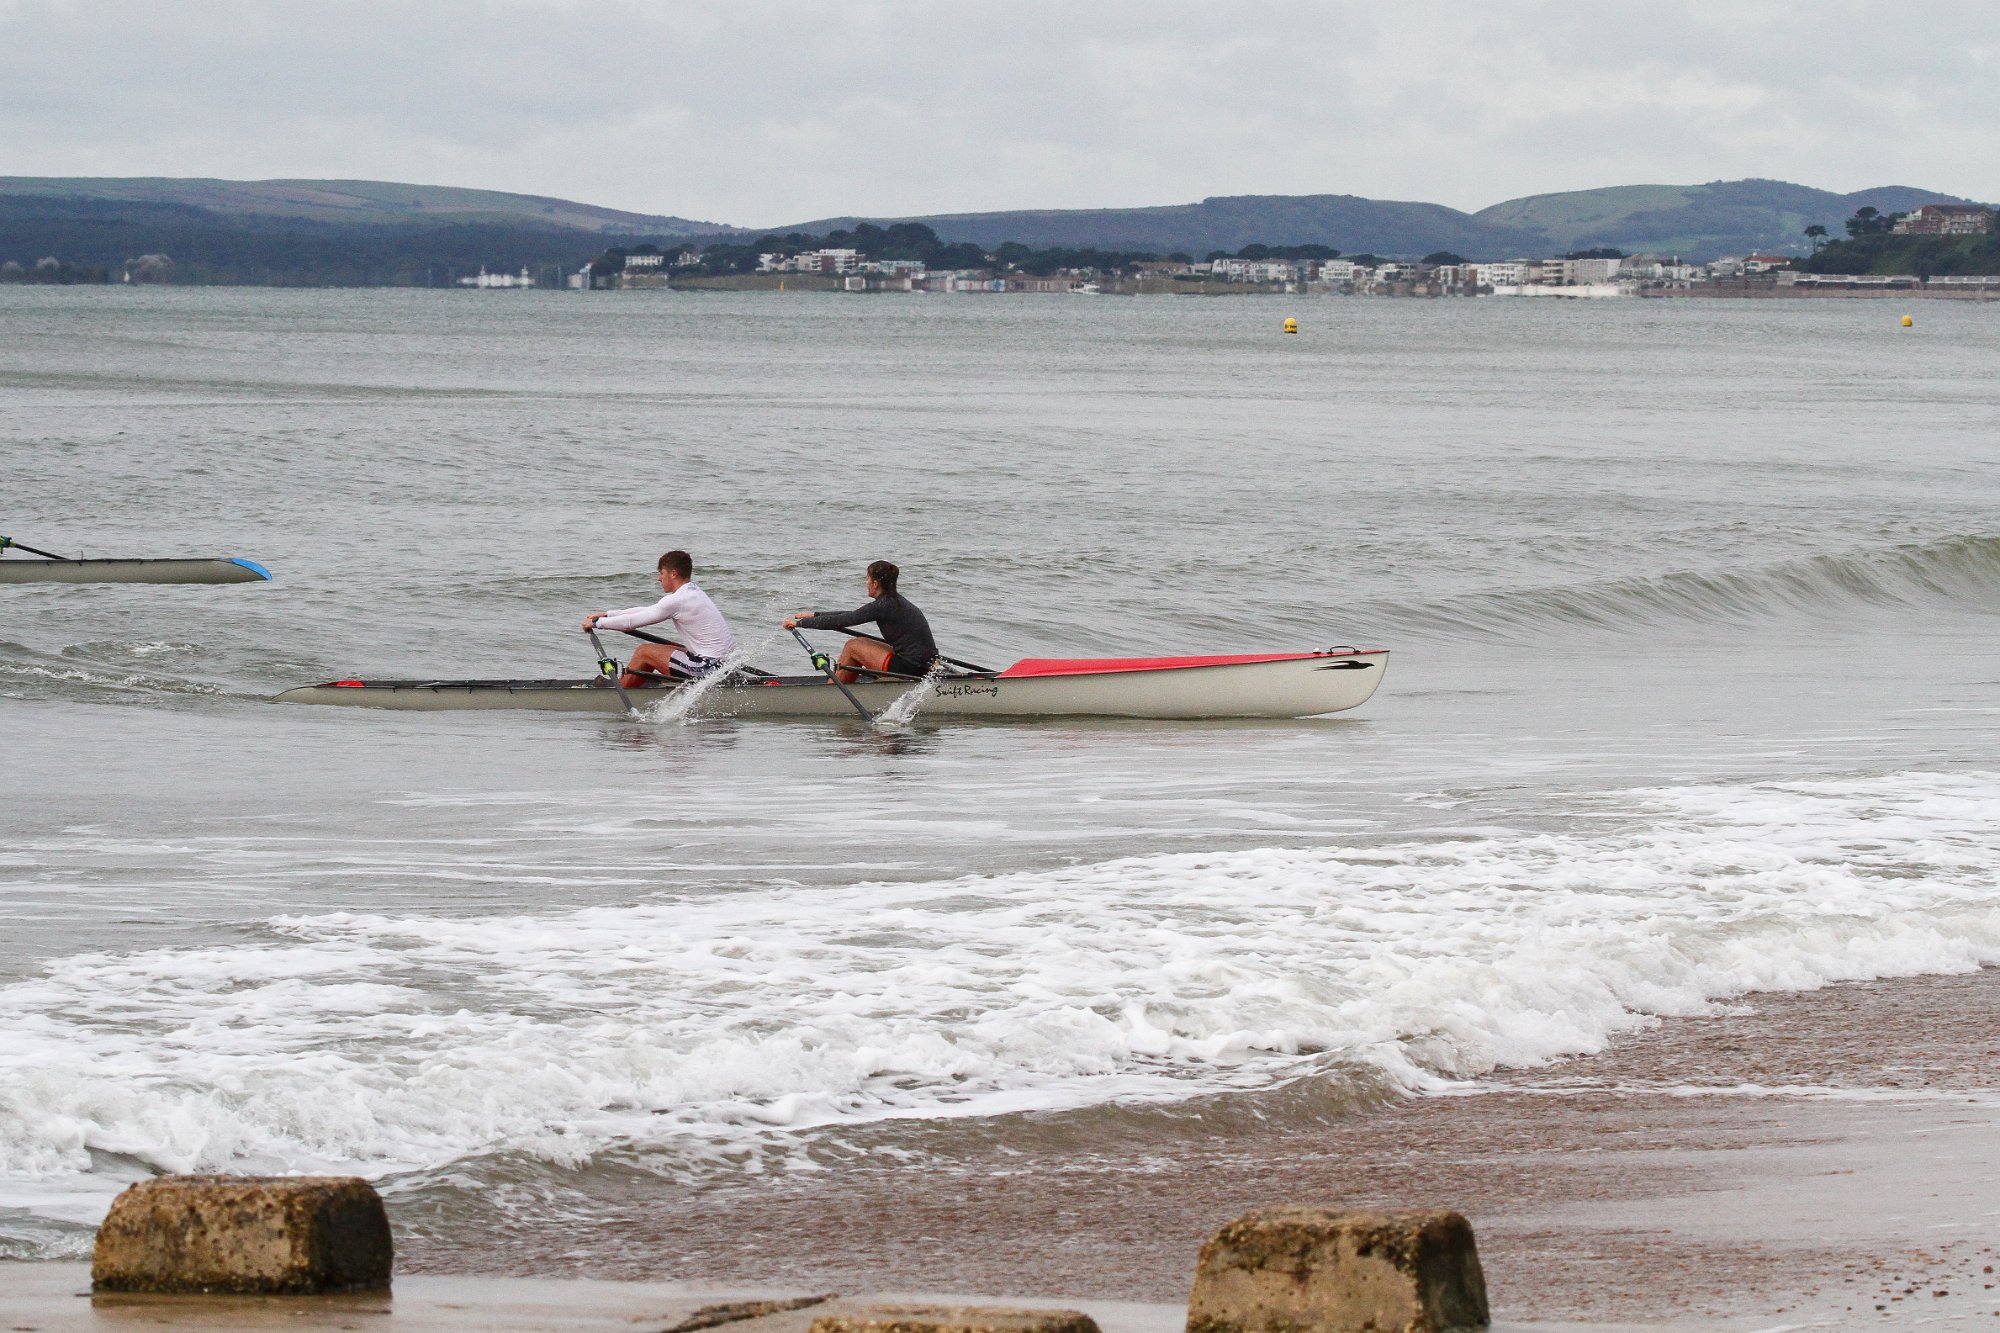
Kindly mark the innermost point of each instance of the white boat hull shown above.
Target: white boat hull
(132, 571)
(1297, 686)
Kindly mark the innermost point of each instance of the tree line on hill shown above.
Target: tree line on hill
(51, 240)
(1872, 245)
(44, 240)
(914, 241)
(94, 240)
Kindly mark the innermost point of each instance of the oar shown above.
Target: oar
(669, 643)
(825, 664)
(608, 667)
(6, 542)
(961, 665)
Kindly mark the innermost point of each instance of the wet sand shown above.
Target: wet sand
(1804, 1163)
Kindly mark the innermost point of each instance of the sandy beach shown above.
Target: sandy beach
(1798, 1163)
(1822, 1160)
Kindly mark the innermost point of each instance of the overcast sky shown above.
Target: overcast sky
(759, 112)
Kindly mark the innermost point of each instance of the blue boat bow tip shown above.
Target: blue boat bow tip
(253, 567)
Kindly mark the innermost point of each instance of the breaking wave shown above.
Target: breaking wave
(1960, 573)
(705, 1027)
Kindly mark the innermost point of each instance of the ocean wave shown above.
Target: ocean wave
(701, 1026)
(34, 680)
(1961, 573)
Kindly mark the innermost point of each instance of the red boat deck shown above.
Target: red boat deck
(1092, 666)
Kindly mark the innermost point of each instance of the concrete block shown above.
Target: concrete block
(1309, 1270)
(952, 1319)
(270, 1235)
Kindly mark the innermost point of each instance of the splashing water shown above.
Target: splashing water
(904, 710)
(684, 704)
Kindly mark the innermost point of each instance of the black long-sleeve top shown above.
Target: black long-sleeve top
(908, 633)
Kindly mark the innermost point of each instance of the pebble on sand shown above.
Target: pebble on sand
(953, 1319)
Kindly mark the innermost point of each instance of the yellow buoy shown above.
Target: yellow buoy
(1291, 326)
(1908, 322)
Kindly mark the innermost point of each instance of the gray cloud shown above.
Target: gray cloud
(765, 111)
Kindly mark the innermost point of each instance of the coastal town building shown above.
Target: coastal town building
(1590, 274)
(1648, 269)
(1853, 281)
(501, 280)
(812, 261)
(1574, 272)
(1255, 270)
(1021, 282)
(1946, 220)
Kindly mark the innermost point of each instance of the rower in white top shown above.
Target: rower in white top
(706, 640)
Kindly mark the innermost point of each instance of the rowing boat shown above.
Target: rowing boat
(1254, 685)
(132, 571)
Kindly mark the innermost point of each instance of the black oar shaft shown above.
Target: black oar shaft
(6, 542)
(820, 660)
(611, 668)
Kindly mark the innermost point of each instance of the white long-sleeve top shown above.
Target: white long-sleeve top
(690, 611)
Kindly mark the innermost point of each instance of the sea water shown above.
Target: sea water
(1694, 610)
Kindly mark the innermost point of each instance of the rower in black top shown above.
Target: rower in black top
(910, 650)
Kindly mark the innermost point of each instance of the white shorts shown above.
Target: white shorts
(692, 665)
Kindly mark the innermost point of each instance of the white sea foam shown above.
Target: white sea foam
(375, 1043)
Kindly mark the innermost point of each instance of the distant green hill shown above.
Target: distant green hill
(1695, 221)
(362, 203)
(381, 233)
(303, 237)
(1698, 221)
(1352, 224)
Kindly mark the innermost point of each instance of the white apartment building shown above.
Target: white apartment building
(1576, 272)
(1256, 270)
(829, 261)
(1513, 273)
(1656, 272)
(813, 261)
(485, 279)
